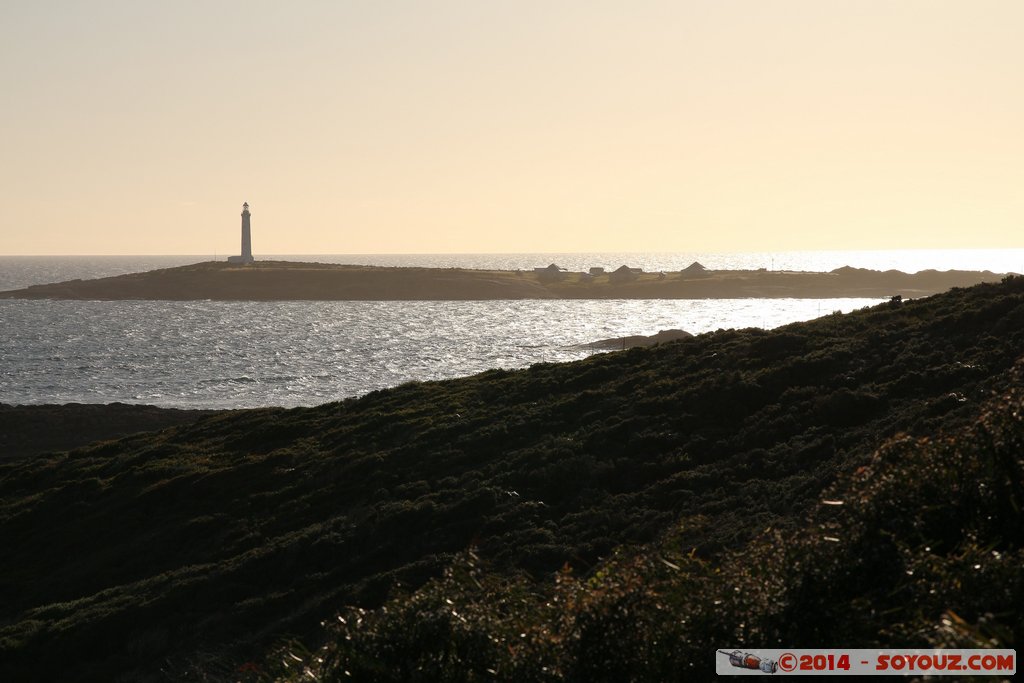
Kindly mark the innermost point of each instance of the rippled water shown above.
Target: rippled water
(229, 354)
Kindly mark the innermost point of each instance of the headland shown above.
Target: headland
(286, 280)
(779, 479)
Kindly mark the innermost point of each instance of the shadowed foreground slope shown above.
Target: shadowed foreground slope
(215, 539)
(25, 430)
(921, 547)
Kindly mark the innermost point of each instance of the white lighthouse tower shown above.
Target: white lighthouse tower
(246, 256)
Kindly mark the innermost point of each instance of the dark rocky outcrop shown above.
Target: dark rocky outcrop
(633, 341)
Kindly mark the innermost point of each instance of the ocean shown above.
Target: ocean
(215, 354)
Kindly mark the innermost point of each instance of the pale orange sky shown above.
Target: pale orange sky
(382, 126)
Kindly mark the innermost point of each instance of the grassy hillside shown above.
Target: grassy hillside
(206, 543)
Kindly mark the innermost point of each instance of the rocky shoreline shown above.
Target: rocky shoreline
(636, 340)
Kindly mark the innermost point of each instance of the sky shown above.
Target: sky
(140, 127)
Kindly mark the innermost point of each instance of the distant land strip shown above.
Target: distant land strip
(293, 281)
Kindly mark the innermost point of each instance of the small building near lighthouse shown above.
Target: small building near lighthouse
(246, 256)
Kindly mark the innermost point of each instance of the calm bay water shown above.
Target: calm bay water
(248, 354)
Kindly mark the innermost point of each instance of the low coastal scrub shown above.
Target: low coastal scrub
(635, 509)
(923, 546)
(31, 429)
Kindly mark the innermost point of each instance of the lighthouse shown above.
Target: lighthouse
(246, 256)
(246, 235)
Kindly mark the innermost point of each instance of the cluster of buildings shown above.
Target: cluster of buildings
(623, 273)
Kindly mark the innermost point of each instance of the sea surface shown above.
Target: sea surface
(215, 354)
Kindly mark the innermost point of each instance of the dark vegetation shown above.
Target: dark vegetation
(26, 430)
(612, 519)
(919, 547)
